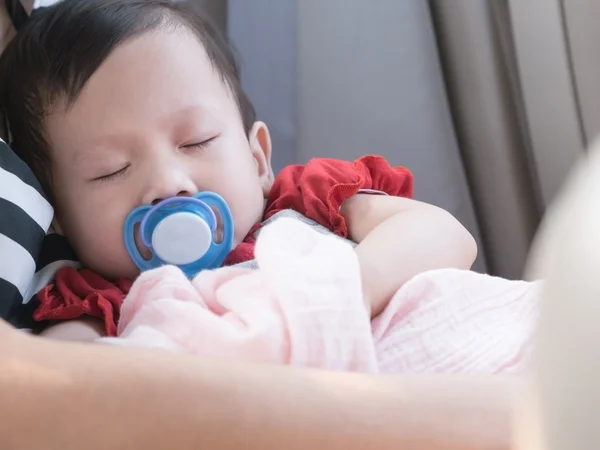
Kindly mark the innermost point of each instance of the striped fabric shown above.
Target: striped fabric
(28, 257)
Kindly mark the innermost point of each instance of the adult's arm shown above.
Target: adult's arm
(60, 395)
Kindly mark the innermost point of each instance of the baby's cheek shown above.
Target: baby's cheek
(247, 210)
(101, 248)
(243, 222)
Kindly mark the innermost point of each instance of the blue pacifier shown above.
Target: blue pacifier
(181, 231)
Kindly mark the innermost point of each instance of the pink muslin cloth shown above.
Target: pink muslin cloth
(304, 306)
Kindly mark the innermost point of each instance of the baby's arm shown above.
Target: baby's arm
(399, 238)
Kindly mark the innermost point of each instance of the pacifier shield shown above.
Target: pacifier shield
(181, 231)
(181, 238)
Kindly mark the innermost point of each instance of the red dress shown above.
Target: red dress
(316, 190)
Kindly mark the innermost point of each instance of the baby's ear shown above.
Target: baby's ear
(260, 144)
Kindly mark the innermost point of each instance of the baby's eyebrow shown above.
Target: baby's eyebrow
(90, 155)
(98, 147)
(84, 157)
(196, 111)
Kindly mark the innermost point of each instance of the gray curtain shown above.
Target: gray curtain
(523, 79)
(581, 19)
(264, 33)
(553, 109)
(216, 9)
(480, 68)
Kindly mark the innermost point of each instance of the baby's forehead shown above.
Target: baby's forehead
(130, 63)
(156, 76)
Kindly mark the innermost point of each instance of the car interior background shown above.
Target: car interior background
(489, 103)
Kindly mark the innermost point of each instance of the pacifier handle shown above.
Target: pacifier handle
(213, 200)
(137, 216)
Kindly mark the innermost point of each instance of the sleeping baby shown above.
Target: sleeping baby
(122, 104)
(132, 116)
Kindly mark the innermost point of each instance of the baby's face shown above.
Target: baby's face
(154, 121)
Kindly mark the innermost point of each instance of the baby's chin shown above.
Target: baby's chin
(113, 270)
(240, 234)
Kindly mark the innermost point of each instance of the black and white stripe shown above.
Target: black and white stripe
(25, 216)
(28, 257)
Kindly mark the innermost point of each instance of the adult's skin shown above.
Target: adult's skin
(64, 395)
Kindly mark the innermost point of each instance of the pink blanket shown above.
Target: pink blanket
(304, 307)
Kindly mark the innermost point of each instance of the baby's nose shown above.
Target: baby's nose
(179, 194)
(167, 184)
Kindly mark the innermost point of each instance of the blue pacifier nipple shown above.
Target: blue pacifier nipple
(181, 231)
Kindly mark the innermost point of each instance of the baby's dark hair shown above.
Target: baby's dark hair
(60, 47)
